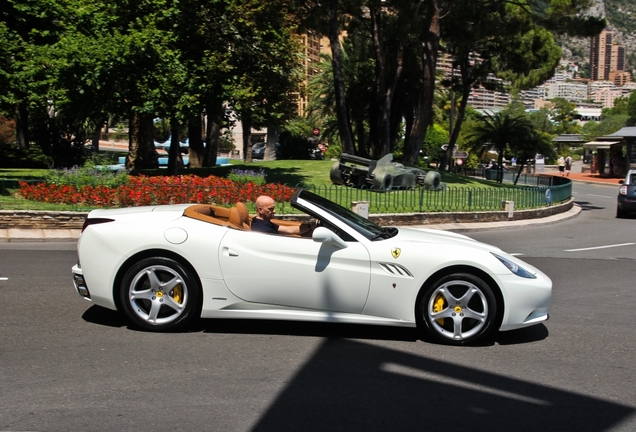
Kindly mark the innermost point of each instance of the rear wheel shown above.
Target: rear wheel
(335, 175)
(458, 309)
(159, 294)
(383, 182)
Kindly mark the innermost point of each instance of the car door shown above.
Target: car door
(295, 272)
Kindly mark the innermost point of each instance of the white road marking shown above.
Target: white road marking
(601, 196)
(516, 254)
(4, 278)
(599, 247)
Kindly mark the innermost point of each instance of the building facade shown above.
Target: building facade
(607, 59)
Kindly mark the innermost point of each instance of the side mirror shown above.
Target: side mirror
(324, 235)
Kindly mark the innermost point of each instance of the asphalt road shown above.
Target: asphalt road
(67, 365)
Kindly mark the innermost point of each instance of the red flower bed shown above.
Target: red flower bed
(142, 190)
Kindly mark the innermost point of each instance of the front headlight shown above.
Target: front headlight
(515, 268)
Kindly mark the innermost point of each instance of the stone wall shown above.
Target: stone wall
(35, 219)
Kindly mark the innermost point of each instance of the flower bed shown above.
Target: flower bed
(143, 190)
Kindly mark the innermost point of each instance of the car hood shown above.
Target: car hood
(432, 236)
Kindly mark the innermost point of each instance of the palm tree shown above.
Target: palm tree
(527, 146)
(500, 130)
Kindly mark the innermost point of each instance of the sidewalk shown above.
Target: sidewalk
(586, 177)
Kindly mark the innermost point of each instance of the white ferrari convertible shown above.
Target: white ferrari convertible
(164, 266)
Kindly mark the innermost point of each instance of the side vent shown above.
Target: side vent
(395, 269)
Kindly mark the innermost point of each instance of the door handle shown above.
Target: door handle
(230, 252)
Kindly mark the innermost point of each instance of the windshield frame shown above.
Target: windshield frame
(368, 229)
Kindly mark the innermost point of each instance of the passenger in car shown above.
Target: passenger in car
(265, 211)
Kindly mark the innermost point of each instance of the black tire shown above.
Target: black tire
(458, 309)
(335, 175)
(383, 183)
(159, 294)
(432, 180)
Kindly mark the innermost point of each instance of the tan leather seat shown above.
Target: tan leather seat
(235, 218)
(245, 215)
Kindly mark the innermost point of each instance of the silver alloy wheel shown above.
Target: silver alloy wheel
(158, 295)
(457, 310)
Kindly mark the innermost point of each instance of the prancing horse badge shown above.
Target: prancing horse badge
(396, 252)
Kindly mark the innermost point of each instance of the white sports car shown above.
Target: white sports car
(166, 265)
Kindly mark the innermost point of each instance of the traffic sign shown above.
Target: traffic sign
(445, 146)
(460, 154)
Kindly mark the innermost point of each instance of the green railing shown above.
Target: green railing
(452, 199)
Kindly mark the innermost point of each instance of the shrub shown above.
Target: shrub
(247, 176)
(94, 173)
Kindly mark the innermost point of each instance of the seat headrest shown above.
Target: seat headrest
(245, 215)
(235, 218)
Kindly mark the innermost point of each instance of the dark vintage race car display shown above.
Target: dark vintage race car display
(626, 200)
(164, 266)
(382, 174)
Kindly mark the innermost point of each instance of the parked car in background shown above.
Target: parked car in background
(258, 149)
(627, 195)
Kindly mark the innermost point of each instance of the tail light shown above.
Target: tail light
(623, 190)
(95, 221)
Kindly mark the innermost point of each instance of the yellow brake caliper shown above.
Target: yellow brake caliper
(177, 293)
(438, 306)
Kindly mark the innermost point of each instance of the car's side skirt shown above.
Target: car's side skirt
(245, 310)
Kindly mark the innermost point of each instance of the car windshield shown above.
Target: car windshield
(364, 226)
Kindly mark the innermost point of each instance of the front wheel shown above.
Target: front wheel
(159, 294)
(458, 309)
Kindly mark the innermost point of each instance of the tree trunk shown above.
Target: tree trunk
(520, 171)
(344, 127)
(500, 167)
(423, 115)
(246, 123)
(215, 112)
(385, 93)
(96, 136)
(141, 147)
(272, 139)
(461, 113)
(174, 152)
(195, 134)
(22, 126)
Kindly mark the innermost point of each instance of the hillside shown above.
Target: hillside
(621, 17)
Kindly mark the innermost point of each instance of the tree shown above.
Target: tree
(512, 41)
(631, 109)
(436, 137)
(528, 145)
(608, 125)
(501, 131)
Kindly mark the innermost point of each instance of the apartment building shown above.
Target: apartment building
(607, 59)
